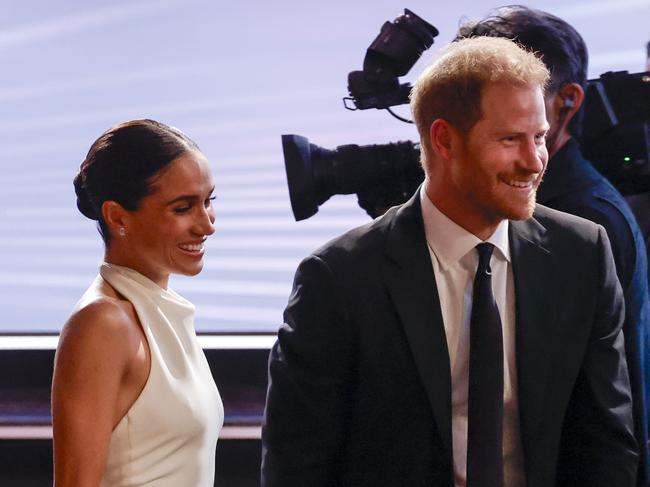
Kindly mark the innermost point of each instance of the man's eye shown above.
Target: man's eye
(182, 209)
(209, 201)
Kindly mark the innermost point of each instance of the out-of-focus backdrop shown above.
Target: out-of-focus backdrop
(234, 76)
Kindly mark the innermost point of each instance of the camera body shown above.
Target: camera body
(391, 55)
(616, 129)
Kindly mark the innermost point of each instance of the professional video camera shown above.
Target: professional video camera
(616, 131)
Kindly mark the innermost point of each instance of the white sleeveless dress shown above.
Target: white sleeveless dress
(169, 435)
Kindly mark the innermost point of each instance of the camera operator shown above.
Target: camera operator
(571, 184)
(640, 203)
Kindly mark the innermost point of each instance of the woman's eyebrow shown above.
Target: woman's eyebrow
(185, 197)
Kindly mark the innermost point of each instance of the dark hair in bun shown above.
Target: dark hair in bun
(122, 163)
(84, 204)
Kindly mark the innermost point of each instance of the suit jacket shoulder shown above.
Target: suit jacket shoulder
(360, 245)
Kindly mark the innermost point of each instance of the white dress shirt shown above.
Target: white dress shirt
(454, 261)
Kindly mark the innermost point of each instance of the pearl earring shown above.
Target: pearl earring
(122, 231)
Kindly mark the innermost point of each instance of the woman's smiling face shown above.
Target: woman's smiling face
(166, 234)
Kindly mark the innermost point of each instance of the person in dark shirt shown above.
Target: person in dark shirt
(571, 184)
(640, 203)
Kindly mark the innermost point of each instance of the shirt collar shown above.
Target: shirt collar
(449, 241)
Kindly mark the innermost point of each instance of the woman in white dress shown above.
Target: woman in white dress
(133, 399)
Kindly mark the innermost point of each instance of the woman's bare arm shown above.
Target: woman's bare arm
(96, 350)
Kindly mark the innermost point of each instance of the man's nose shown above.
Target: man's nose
(534, 157)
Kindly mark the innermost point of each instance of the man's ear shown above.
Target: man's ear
(115, 217)
(442, 135)
(570, 97)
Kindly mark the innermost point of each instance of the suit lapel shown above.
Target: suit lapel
(412, 287)
(535, 271)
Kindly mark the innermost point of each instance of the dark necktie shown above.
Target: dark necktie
(485, 401)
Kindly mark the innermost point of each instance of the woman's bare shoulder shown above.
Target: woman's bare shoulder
(105, 324)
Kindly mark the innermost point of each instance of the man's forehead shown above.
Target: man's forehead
(506, 103)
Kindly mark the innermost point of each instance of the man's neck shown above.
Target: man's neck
(462, 217)
(554, 146)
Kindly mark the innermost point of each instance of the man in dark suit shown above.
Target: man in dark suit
(460, 339)
(571, 184)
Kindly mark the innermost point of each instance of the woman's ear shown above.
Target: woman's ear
(116, 218)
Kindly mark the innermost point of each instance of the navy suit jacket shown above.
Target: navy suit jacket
(359, 379)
